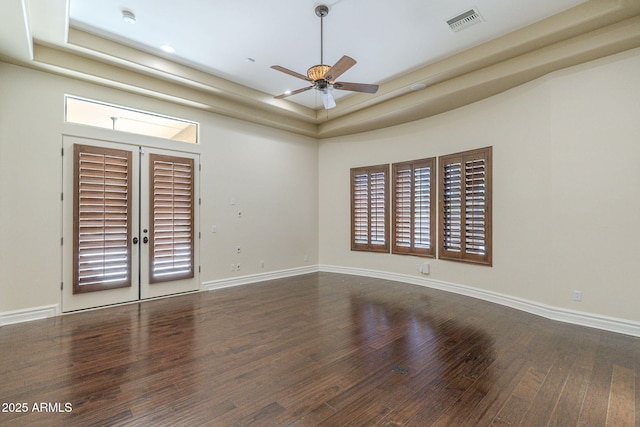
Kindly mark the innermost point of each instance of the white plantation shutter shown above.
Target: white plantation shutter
(102, 219)
(172, 218)
(413, 219)
(369, 208)
(465, 200)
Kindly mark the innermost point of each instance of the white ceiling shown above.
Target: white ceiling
(387, 38)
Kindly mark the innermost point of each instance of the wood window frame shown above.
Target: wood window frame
(155, 233)
(87, 215)
(367, 242)
(404, 212)
(454, 237)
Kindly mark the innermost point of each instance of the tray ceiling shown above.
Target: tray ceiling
(224, 51)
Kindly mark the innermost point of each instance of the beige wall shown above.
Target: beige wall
(271, 174)
(566, 188)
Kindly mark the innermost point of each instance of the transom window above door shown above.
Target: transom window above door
(124, 119)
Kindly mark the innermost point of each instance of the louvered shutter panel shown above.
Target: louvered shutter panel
(474, 235)
(452, 203)
(465, 218)
(402, 209)
(422, 212)
(361, 209)
(378, 219)
(369, 209)
(172, 218)
(413, 219)
(102, 219)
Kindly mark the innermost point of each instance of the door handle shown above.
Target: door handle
(135, 240)
(145, 239)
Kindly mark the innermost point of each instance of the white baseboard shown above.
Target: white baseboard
(254, 278)
(28, 314)
(37, 313)
(591, 320)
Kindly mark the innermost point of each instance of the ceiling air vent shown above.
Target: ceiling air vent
(465, 19)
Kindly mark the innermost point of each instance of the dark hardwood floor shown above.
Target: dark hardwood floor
(316, 350)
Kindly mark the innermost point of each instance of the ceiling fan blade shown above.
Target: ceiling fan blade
(327, 99)
(356, 87)
(284, 95)
(291, 73)
(339, 68)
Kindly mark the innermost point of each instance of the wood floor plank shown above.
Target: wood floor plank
(510, 366)
(596, 402)
(321, 349)
(482, 396)
(494, 398)
(571, 399)
(452, 385)
(518, 404)
(621, 408)
(580, 362)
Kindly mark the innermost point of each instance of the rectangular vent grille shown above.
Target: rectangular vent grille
(465, 19)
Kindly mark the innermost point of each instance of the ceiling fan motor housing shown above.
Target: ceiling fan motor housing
(317, 72)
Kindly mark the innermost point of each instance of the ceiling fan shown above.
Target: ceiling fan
(323, 76)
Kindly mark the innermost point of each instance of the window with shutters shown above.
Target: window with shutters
(465, 206)
(172, 218)
(101, 219)
(370, 209)
(413, 220)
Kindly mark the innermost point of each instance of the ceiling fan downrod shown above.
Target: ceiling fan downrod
(322, 11)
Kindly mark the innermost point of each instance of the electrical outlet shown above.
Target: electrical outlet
(426, 268)
(423, 268)
(234, 267)
(577, 296)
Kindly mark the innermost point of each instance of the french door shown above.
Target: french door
(130, 223)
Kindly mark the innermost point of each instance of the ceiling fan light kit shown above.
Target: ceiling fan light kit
(323, 76)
